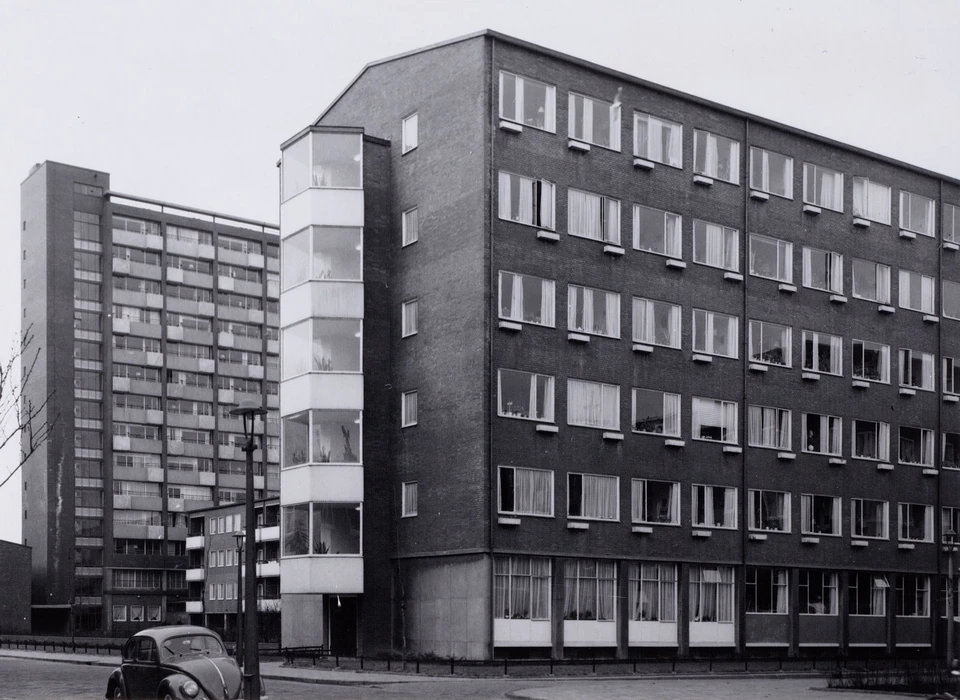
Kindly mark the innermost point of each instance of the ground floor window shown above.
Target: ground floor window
(867, 594)
(589, 591)
(711, 594)
(521, 589)
(653, 592)
(818, 592)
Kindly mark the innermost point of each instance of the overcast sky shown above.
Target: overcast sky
(188, 101)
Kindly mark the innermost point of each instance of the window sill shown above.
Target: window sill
(643, 163)
(547, 428)
(758, 195)
(508, 521)
(810, 376)
(951, 398)
(930, 318)
(613, 250)
(578, 526)
(510, 326)
(838, 299)
(907, 235)
(809, 540)
(676, 264)
(732, 450)
(511, 127)
(837, 461)
(580, 146)
(757, 537)
(787, 288)
(947, 245)
(702, 533)
(613, 437)
(859, 543)
(786, 456)
(860, 222)
(733, 277)
(905, 391)
(812, 209)
(884, 467)
(641, 530)
(702, 180)
(550, 236)
(905, 546)
(674, 443)
(697, 357)
(755, 367)
(886, 309)
(860, 384)
(640, 347)
(930, 472)
(578, 338)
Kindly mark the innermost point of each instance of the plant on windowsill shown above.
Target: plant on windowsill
(299, 457)
(348, 455)
(323, 455)
(323, 364)
(320, 547)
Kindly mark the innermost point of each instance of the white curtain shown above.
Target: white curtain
(546, 204)
(610, 396)
(540, 593)
(860, 197)
(672, 236)
(883, 284)
(780, 589)
(612, 315)
(755, 426)
(927, 295)
(525, 215)
(878, 589)
(725, 595)
(831, 190)
(927, 447)
(713, 253)
(927, 370)
(807, 268)
(606, 574)
(611, 220)
(580, 309)
(545, 392)
(506, 204)
(671, 414)
(516, 299)
(883, 441)
(584, 403)
(534, 491)
(729, 508)
(835, 262)
(547, 296)
(675, 145)
(570, 588)
(615, 126)
(638, 500)
(836, 350)
(584, 214)
(643, 321)
(648, 144)
(712, 154)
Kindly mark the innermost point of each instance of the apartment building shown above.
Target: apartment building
(639, 373)
(152, 320)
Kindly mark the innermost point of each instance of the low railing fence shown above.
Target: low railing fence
(67, 645)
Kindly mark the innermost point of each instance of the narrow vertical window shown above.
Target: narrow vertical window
(409, 133)
(409, 499)
(409, 314)
(408, 409)
(411, 226)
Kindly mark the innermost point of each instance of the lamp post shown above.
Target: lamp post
(239, 597)
(950, 547)
(248, 410)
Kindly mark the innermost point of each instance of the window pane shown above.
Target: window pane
(336, 436)
(295, 167)
(296, 530)
(337, 253)
(336, 528)
(336, 160)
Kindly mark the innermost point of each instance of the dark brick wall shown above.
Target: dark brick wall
(14, 588)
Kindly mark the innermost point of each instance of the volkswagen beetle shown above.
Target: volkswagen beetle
(176, 663)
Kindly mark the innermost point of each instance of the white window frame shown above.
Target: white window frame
(921, 589)
(410, 133)
(724, 412)
(709, 582)
(881, 279)
(672, 241)
(408, 489)
(519, 116)
(877, 582)
(526, 513)
(833, 270)
(573, 296)
(806, 514)
(954, 295)
(661, 581)
(729, 240)
(906, 277)
(638, 502)
(543, 204)
(704, 168)
(410, 227)
(409, 317)
(951, 376)
(756, 332)
(811, 194)
(881, 440)
(954, 461)
(547, 288)
(587, 133)
(783, 439)
(656, 126)
(902, 522)
(646, 332)
(703, 322)
(928, 379)
(599, 477)
(609, 230)
(861, 200)
(779, 589)
(549, 397)
(828, 425)
(825, 577)
(908, 201)
(951, 223)
(784, 258)
(857, 523)
(753, 505)
(814, 337)
(604, 390)
(884, 357)
(665, 397)
(706, 492)
(119, 613)
(926, 452)
(760, 181)
(408, 407)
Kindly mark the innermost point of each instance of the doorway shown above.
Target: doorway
(342, 611)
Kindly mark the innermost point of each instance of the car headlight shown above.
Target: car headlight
(189, 688)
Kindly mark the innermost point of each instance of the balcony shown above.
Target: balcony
(195, 542)
(196, 574)
(225, 339)
(268, 534)
(194, 606)
(268, 604)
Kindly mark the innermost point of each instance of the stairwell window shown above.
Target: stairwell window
(656, 412)
(822, 434)
(410, 226)
(916, 446)
(655, 502)
(917, 369)
(771, 343)
(869, 519)
(916, 522)
(819, 515)
(525, 200)
(769, 427)
(771, 172)
(657, 139)
(714, 420)
(593, 405)
(716, 246)
(526, 491)
(657, 231)
(594, 121)
(593, 497)
(527, 299)
(822, 187)
(769, 511)
(917, 292)
(871, 440)
(715, 333)
(714, 506)
(593, 216)
(716, 156)
(408, 409)
(871, 361)
(409, 314)
(656, 323)
(917, 214)
(410, 136)
(871, 200)
(528, 102)
(593, 311)
(525, 395)
(771, 258)
(823, 270)
(951, 299)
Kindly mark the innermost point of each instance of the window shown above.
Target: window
(716, 246)
(771, 258)
(408, 498)
(527, 299)
(714, 506)
(869, 518)
(822, 352)
(818, 592)
(917, 214)
(528, 102)
(871, 440)
(822, 187)
(769, 427)
(593, 311)
(771, 172)
(656, 231)
(951, 299)
(321, 436)
(594, 121)
(593, 216)
(715, 333)
(714, 420)
(871, 200)
(653, 592)
(589, 589)
(871, 361)
(409, 312)
(916, 446)
(657, 139)
(408, 408)
(867, 594)
(917, 369)
(410, 226)
(119, 613)
(655, 502)
(526, 491)
(819, 515)
(823, 270)
(525, 395)
(527, 201)
(767, 590)
(769, 510)
(949, 522)
(823, 434)
(951, 223)
(593, 405)
(950, 459)
(917, 292)
(871, 281)
(916, 522)
(913, 595)
(656, 323)
(321, 528)
(711, 594)
(951, 375)
(716, 156)
(770, 343)
(521, 588)
(656, 412)
(409, 133)
(593, 497)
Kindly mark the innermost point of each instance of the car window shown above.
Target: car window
(147, 651)
(192, 644)
(129, 650)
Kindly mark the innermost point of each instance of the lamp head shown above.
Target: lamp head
(248, 410)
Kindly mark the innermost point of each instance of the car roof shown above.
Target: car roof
(165, 632)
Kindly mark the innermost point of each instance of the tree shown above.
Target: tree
(23, 416)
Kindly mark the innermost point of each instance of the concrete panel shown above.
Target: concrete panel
(320, 483)
(321, 207)
(302, 621)
(328, 574)
(342, 391)
(322, 299)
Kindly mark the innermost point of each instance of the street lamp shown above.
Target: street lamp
(239, 597)
(248, 410)
(950, 548)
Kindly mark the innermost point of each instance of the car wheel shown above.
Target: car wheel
(118, 693)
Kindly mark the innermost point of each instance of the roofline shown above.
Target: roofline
(732, 111)
(216, 216)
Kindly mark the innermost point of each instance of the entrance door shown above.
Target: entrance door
(343, 624)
